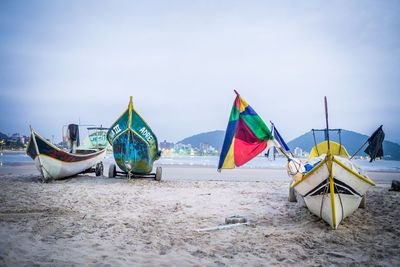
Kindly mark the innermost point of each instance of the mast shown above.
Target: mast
(327, 125)
(127, 164)
(330, 163)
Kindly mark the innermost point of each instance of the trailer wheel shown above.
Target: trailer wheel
(112, 170)
(158, 174)
(99, 169)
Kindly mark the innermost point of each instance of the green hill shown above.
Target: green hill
(214, 138)
(3, 136)
(350, 140)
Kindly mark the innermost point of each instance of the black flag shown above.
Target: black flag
(375, 148)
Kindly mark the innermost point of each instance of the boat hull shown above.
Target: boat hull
(54, 163)
(132, 154)
(348, 189)
(134, 144)
(53, 168)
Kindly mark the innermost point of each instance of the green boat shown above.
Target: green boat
(134, 145)
(97, 138)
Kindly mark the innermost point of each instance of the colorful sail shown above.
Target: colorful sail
(246, 136)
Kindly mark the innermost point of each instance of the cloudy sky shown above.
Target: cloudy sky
(79, 61)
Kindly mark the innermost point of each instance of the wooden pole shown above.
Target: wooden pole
(330, 169)
(33, 136)
(283, 152)
(327, 125)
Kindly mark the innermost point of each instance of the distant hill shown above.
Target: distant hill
(3, 136)
(350, 140)
(214, 138)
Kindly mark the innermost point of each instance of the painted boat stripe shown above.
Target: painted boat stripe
(56, 148)
(94, 155)
(127, 129)
(353, 172)
(123, 113)
(134, 133)
(129, 126)
(338, 183)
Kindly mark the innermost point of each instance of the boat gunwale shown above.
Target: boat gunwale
(94, 155)
(365, 179)
(71, 154)
(127, 129)
(84, 156)
(308, 174)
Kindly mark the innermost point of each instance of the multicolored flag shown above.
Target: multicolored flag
(246, 136)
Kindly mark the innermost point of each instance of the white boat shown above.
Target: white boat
(55, 163)
(334, 187)
(330, 184)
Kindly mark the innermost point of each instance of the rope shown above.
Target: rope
(340, 140)
(296, 165)
(326, 190)
(323, 197)
(340, 198)
(128, 175)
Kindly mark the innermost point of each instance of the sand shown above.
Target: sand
(89, 220)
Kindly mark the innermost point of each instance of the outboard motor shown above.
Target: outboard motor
(73, 137)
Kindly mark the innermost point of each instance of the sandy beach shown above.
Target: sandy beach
(89, 220)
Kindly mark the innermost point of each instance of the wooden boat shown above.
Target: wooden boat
(97, 139)
(135, 146)
(55, 163)
(333, 188)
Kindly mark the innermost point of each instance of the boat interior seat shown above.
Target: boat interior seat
(322, 148)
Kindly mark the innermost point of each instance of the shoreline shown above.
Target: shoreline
(200, 166)
(205, 173)
(12, 151)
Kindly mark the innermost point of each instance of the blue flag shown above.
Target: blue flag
(278, 143)
(279, 139)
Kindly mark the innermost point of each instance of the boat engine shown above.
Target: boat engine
(73, 137)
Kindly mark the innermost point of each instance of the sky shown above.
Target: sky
(67, 62)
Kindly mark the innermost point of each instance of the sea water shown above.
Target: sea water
(278, 163)
(14, 157)
(20, 157)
